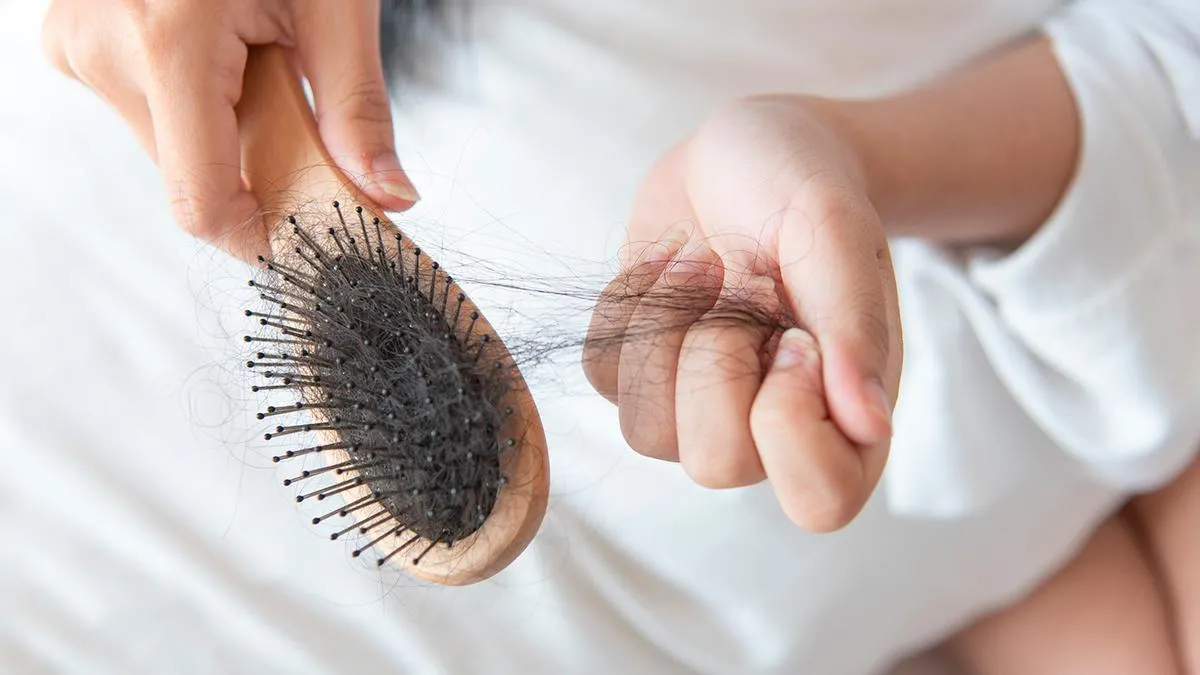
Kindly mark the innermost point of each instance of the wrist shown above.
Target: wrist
(849, 123)
(980, 156)
(884, 159)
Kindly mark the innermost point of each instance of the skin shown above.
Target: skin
(783, 201)
(1167, 521)
(795, 197)
(173, 70)
(1102, 614)
(817, 186)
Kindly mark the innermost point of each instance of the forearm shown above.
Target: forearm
(982, 155)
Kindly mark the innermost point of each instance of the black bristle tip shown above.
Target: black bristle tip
(386, 386)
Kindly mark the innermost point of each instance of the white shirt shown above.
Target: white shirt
(145, 527)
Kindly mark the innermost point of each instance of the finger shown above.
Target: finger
(194, 83)
(123, 96)
(616, 305)
(338, 46)
(720, 370)
(132, 108)
(661, 221)
(650, 349)
(841, 298)
(128, 102)
(56, 23)
(820, 477)
(101, 65)
(661, 209)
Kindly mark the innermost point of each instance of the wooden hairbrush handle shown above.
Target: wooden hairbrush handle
(290, 172)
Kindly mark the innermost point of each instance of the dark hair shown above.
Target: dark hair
(408, 30)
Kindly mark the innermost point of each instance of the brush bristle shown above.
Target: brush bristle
(368, 337)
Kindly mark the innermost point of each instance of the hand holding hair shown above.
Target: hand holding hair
(765, 207)
(173, 70)
(782, 204)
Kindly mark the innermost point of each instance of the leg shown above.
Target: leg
(1170, 519)
(1101, 615)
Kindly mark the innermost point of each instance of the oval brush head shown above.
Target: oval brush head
(423, 426)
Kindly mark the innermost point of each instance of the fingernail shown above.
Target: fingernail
(796, 348)
(878, 400)
(389, 175)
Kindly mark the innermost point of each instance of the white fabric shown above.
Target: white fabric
(1087, 327)
(145, 529)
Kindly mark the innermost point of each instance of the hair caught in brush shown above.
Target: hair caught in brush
(361, 352)
(410, 405)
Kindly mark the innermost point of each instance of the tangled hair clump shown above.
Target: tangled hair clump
(373, 342)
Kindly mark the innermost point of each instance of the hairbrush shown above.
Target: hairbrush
(424, 428)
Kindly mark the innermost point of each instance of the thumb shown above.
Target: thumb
(338, 45)
(831, 266)
(793, 385)
(818, 475)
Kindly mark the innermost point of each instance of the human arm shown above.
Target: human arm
(1046, 260)
(981, 155)
(1090, 324)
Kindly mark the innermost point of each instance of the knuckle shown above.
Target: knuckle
(158, 31)
(735, 114)
(90, 41)
(829, 201)
(726, 127)
(53, 50)
(66, 49)
(768, 416)
(196, 218)
(166, 34)
(731, 113)
(364, 102)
